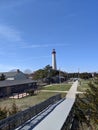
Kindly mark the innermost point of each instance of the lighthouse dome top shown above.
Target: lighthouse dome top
(53, 51)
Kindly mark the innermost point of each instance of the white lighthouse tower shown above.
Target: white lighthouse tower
(54, 60)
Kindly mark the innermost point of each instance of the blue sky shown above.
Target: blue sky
(30, 29)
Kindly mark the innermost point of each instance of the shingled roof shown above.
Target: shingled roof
(9, 74)
(12, 74)
(7, 83)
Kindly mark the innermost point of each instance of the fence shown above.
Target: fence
(63, 116)
(68, 122)
(20, 118)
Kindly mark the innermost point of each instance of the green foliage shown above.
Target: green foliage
(4, 112)
(85, 75)
(88, 105)
(58, 87)
(2, 77)
(14, 109)
(95, 80)
(31, 92)
(83, 85)
(38, 74)
(96, 75)
(47, 74)
(80, 75)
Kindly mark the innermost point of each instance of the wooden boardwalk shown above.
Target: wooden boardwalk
(57, 117)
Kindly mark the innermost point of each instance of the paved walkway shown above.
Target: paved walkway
(56, 118)
(52, 91)
(72, 92)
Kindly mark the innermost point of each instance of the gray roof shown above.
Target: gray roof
(11, 73)
(7, 83)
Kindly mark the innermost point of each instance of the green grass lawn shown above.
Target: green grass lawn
(84, 85)
(26, 102)
(58, 87)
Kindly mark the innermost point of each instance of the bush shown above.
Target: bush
(14, 109)
(31, 92)
(4, 112)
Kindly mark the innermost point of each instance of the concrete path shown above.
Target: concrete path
(52, 91)
(72, 92)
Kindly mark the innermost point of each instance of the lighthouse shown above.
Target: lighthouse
(54, 60)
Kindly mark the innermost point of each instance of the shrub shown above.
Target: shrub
(31, 92)
(3, 113)
(14, 109)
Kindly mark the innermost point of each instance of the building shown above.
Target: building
(16, 82)
(10, 87)
(54, 66)
(14, 75)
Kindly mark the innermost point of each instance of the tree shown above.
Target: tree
(88, 106)
(46, 72)
(2, 77)
(39, 74)
(48, 75)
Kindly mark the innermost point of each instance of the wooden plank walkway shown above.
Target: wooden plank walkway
(57, 117)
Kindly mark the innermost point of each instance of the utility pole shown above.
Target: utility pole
(78, 73)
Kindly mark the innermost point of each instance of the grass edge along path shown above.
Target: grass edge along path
(24, 103)
(57, 87)
(28, 101)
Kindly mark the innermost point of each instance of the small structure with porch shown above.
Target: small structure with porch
(16, 83)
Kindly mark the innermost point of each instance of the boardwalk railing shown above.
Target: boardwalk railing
(69, 120)
(62, 117)
(20, 118)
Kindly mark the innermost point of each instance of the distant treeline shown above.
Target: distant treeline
(47, 73)
(80, 75)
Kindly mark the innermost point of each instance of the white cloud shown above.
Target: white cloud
(9, 33)
(33, 58)
(13, 3)
(4, 67)
(12, 35)
(45, 45)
